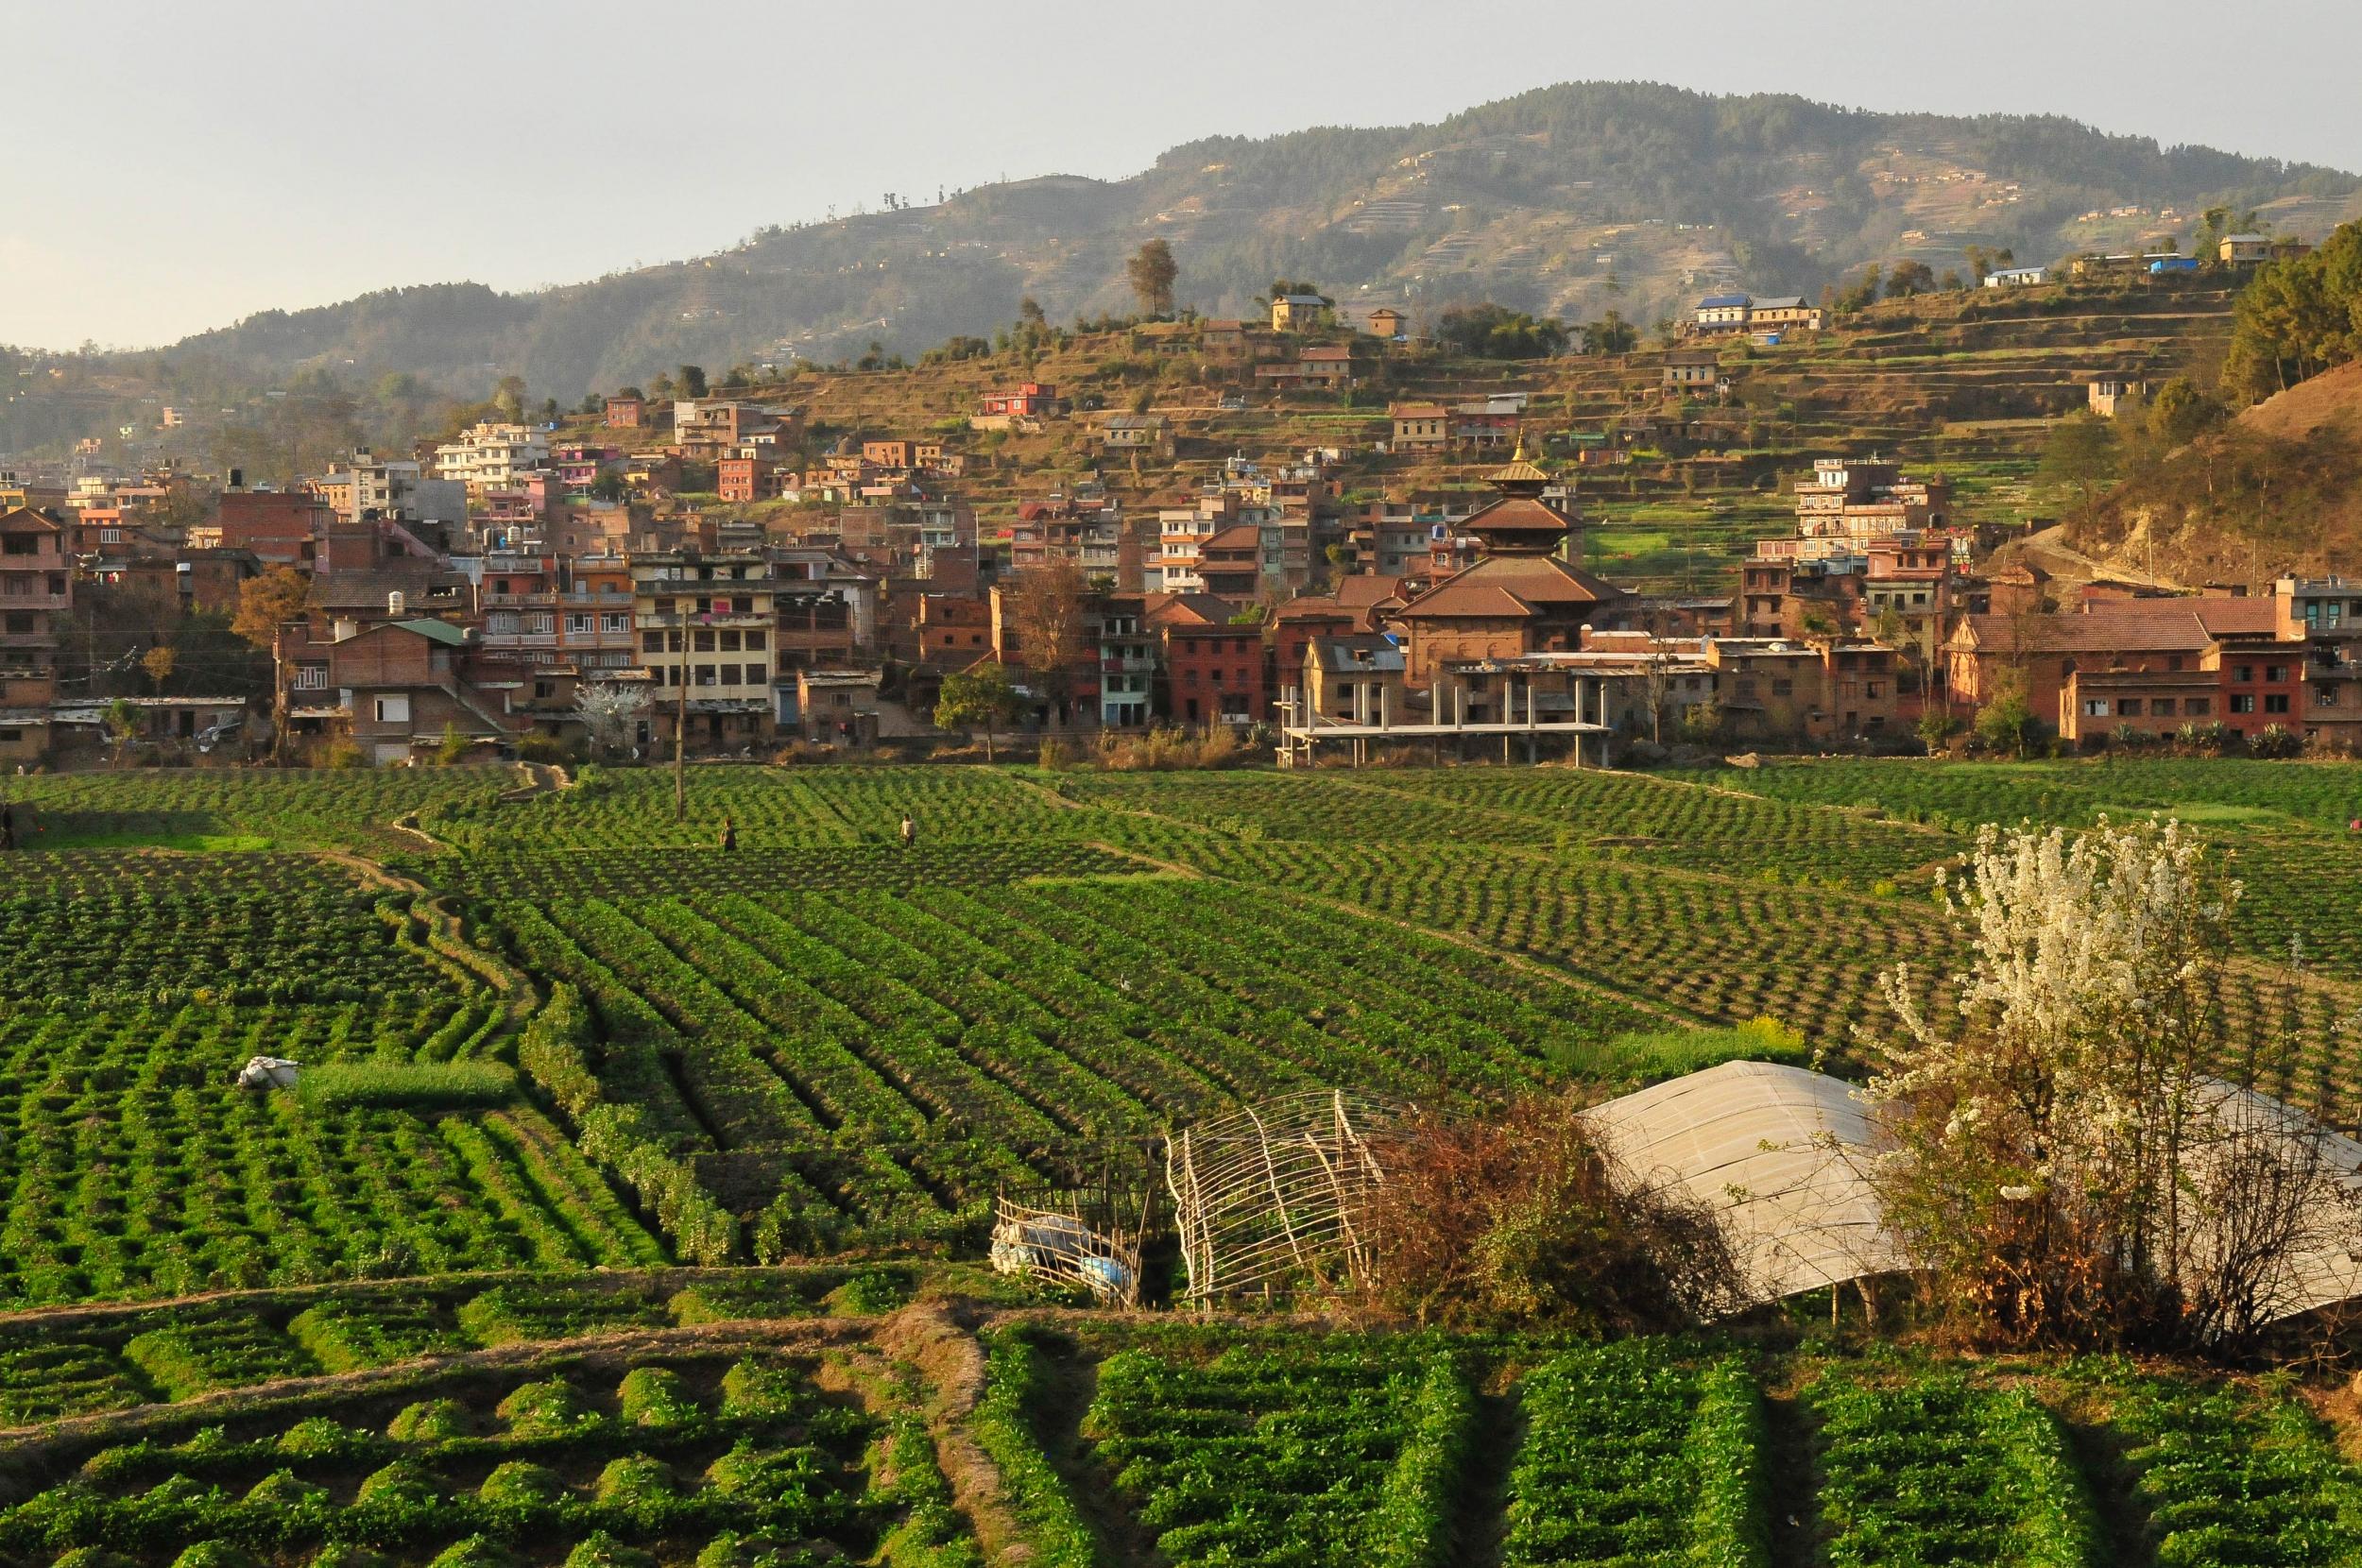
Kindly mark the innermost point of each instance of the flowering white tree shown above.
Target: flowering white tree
(2066, 1165)
(608, 709)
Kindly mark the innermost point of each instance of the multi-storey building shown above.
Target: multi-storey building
(491, 455)
(548, 612)
(364, 483)
(36, 598)
(704, 624)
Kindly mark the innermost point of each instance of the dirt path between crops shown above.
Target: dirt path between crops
(1124, 1540)
(1480, 1518)
(1788, 1481)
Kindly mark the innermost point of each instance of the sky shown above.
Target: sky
(172, 165)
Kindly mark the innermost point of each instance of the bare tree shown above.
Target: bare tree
(608, 711)
(1045, 606)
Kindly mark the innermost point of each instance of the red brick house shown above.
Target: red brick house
(1213, 671)
(393, 688)
(625, 410)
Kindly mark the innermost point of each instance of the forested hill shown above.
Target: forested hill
(1571, 200)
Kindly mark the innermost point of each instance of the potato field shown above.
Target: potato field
(629, 1205)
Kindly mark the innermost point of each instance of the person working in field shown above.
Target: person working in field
(7, 825)
(910, 832)
(730, 834)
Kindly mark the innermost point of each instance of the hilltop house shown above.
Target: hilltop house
(1291, 313)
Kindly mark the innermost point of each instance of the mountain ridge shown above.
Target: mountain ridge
(1570, 200)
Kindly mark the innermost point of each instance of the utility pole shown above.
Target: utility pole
(680, 736)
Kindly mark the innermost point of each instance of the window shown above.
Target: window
(579, 626)
(2244, 673)
(541, 623)
(1783, 688)
(312, 677)
(704, 674)
(704, 643)
(2275, 702)
(500, 624)
(729, 643)
(2162, 707)
(2094, 708)
(2173, 662)
(729, 675)
(2242, 702)
(2275, 673)
(1873, 688)
(2197, 705)
(394, 709)
(615, 623)
(2324, 696)
(652, 642)
(2129, 706)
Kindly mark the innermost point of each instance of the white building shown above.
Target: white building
(491, 455)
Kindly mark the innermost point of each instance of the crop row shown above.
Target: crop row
(2326, 794)
(240, 928)
(1302, 1459)
(740, 1463)
(1686, 825)
(908, 1054)
(677, 873)
(1730, 950)
(61, 1366)
(1932, 1471)
(770, 808)
(130, 1167)
(1634, 1454)
(250, 809)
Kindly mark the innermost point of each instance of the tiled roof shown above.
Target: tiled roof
(2135, 627)
(1506, 586)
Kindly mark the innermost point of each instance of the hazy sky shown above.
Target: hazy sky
(170, 165)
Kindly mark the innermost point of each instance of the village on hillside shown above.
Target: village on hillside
(1346, 544)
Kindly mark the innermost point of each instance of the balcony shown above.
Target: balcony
(13, 601)
(708, 618)
(690, 588)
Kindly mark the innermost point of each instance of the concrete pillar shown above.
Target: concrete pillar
(1385, 707)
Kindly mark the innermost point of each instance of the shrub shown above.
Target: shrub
(1527, 1217)
(424, 1087)
(551, 1408)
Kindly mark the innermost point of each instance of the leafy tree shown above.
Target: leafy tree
(692, 380)
(266, 601)
(1907, 279)
(1609, 334)
(2081, 451)
(2181, 413)
(980, 696)
(1495, 331)
(1151, 272)
(157, 665)
(1861, 294)
(2296, 317)
(123, 724)
(1029, 313)
(2007, 721)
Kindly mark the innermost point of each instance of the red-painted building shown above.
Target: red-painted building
(1032, 399)
(746, 479)
(1213, 671)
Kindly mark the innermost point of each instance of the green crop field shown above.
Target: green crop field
(611, 1152)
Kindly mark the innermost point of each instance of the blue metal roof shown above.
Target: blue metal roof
(1713, 301)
